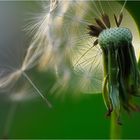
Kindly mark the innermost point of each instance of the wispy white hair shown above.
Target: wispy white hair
(16, 58)
(61, 34)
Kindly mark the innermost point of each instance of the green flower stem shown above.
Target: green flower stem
(115, 128)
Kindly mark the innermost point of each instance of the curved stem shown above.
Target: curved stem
(115, 128)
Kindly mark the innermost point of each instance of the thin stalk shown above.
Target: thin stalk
(9, 120)
(115, 128)
(38, 91)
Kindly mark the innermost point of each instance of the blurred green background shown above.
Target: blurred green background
(82, 117)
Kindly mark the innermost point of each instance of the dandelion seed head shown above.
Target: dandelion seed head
(115, 36)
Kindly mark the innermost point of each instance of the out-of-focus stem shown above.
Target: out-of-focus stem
(115, 128)
(9, 120)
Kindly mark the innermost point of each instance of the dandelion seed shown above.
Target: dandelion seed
(51, 41)
(14, 61)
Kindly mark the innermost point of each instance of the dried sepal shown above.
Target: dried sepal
(100, 23)
(120, 18)
(94, 30)
(118, 21)
(95, 42)
(106, 20)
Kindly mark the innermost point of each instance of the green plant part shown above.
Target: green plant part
(121, 74)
